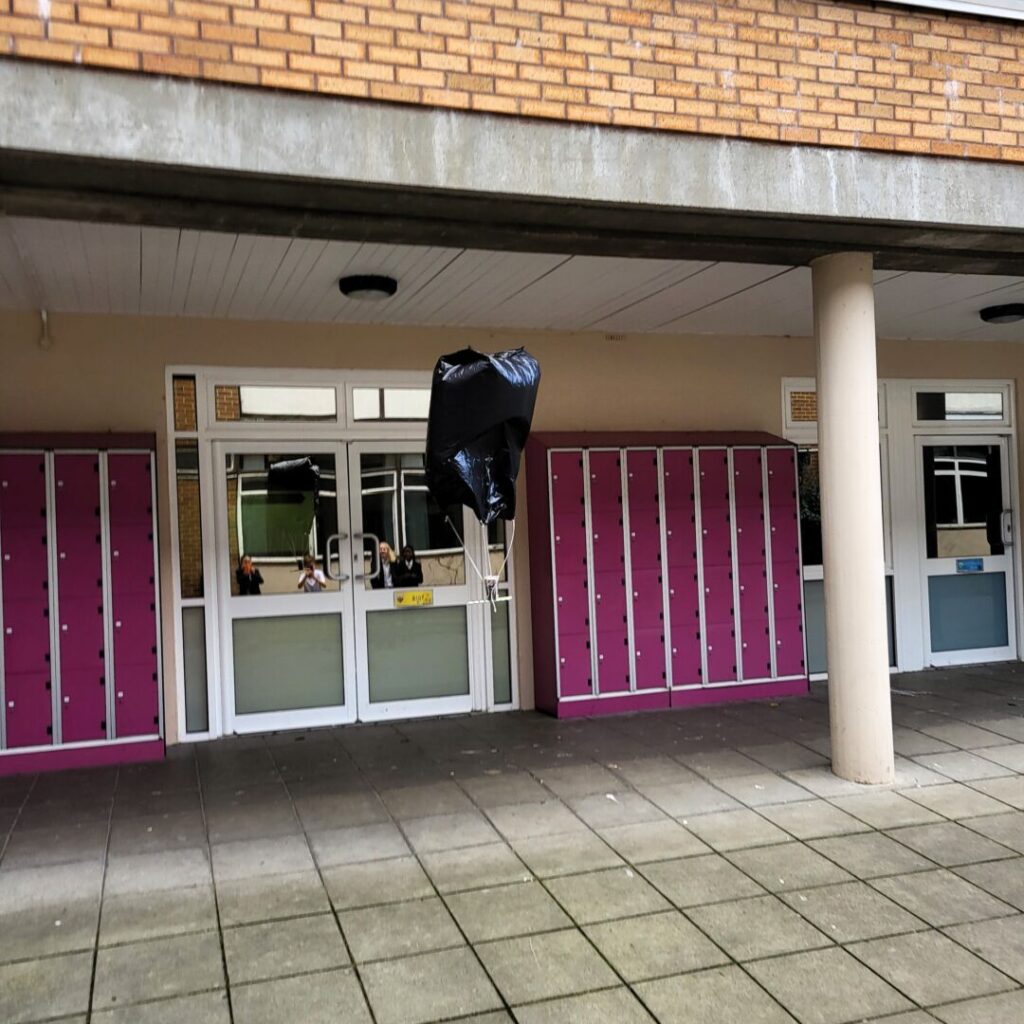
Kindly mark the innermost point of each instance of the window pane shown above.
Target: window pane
(184, 392)
(967, 612)
(281, 509)
(288, 662)
(416, 653)
(366, 404)
(257, 403)
(193, 637)
(190, 527)
(814, 618)
(501, 654)
(398, 510)
(963, 500)
(959, 405)
(406, 403)
(810, 506)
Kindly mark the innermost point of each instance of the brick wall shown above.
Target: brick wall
(836, 74)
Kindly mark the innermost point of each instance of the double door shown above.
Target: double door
(323, 620)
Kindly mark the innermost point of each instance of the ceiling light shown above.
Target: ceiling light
(374, 287)
(1008, 314)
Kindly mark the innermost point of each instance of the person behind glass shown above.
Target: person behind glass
(311, 579)
(248, 577)
(407, 571)
(384, 579)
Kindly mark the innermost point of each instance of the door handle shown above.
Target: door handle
(1006, 526)
(374, 555)
(335, 539)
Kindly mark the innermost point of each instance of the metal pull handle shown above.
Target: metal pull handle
(1006, 526)
(335, 539)
(375, 556)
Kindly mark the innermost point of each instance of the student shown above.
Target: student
(385, 576)
(311, 579)
(407, 571)
(248, 577)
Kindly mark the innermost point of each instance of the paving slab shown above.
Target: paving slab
(757, 927)
(612, 1006)
(722, 995)
(949, 843)
(1006, 829)
(851, 992)
(437, 798)
(135, 917)
(954, 800)
(275, 949)
(567, 853)
(1010, 755)
(653, 840)
(720, 764)
(570, 782)
(851, 911)
(45, 930)
(505, 911)
(258, 858)
(929, 968)
(654, 946)
(418, 989)
(1002, 1009)
(760, 788)
(527, 821)
(357, 844)
(645, 772)
(941, 898)
(962, 766)
(141, 971)
(377, 881)
(870, 855)
(699, 880)
(885, 809)
(326, 998)
(735, 830)
(448, 832)
(787, 867)
(1003, 879)
(811, 819)
(203, 1008)
(682, 799)
(999, 942)
(324, 811)
(399, 929)
(33, 990)
(605, 895)
(505, 788)
(248, 900)
(52, 886)
(153, 872)
(1008, 790)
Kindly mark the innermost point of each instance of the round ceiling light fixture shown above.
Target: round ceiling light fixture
(374, 287)
(1008, 314)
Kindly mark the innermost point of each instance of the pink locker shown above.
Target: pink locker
(643, 494)
(748, 490)
(572, 597)
(83, 700)
(133, 592)
(681, 547)
(787, 584)
(716, 552)
(24, 574)
(609, 552)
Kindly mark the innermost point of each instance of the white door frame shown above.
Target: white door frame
(947, 566)
(332, 602)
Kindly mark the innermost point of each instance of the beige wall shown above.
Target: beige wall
(107, 373)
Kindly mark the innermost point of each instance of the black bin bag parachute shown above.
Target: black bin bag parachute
(481, 407)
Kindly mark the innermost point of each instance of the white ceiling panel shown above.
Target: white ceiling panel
(67, 266)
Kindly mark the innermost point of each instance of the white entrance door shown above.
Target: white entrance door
(284, 554)
(967, 569)
(412, 658)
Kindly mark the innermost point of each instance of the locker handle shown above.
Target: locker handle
(67, 700)
(120, 694)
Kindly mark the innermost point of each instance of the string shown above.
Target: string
(490, 582)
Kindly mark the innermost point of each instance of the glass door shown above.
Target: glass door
(964, 490)
(412, 584)
(284, 575)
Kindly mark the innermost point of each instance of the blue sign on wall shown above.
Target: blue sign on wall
(970, 565)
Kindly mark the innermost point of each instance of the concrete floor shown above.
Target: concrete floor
(700, 866)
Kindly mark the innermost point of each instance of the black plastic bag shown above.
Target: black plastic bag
(481, 408)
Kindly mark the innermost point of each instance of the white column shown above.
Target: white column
(851, 519)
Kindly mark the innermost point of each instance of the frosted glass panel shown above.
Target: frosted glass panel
(193, 638)
(415, 653)
(967, 612)
(814, 619)
(501, 654)
(288, 662)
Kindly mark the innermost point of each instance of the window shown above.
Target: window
(393, 404)
(959, 406)
(258, 403)
(810, 506)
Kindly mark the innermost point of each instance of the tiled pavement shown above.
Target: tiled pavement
(697, 867)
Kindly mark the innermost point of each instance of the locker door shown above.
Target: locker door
(787, 585)
(716, 551)
(24, 588)
(646, 569)
(572, 594)
(133, 594)
(609, 552)
(681, 550)
(751, 558)
(83, 695)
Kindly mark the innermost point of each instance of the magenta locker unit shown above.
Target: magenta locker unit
(646, 569)
(133, 586)
(569, 550)
(688, 575)
(24, 580)
(69, 603)
(787, 577)
(752, 564)
(78, 531)
(681, 546)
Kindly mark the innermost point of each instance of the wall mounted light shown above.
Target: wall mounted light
(374, 287)
(1008, 314)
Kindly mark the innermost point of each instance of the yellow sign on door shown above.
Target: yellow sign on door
(413, 598)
